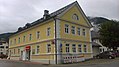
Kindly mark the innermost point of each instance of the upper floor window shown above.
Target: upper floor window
(66, 28)
(78, 31)
(19, 40)
(48, 48)
(73, 29)
(11, 42)
(67, 47)
(48, 31)
(73, 47)
(14, 41)
(38, 34)
(24, 37)
(37, 49)
(84, 32)
(85, 48)
(75, 17)
(79, 48)
(30, 36)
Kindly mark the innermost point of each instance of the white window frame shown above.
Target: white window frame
(24, 38)
(80, 48)
(73, 30)
(48, 48)
(67, 48)
(84, 31)
(37, 52)
(79, 31)
(18, 40)
(67, 29)
(48, 31)
(30, 37)
(74, 48)
(38, 34)
(85, 48)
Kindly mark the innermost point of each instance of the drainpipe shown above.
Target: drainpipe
(55, 43)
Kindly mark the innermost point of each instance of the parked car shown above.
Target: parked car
(3, 56)
(116, 53)
(106, 54)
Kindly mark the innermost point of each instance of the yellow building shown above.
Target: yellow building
(60, 37)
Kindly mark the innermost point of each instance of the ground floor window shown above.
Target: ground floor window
(48, 48)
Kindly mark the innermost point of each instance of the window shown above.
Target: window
(48, 48)
(67, 47)
(30, 36)
(14, 51)
(75, 17)
(38, 35)
(85, 49)
(33, 51)
(73, 48)
(73, 29)
(19, 40)
(84, 32)
(37, 49)
(48, 31)
(78, 31)
(14, 41)
(11, 42)
(18, 51)
(79, 48)
(24, 37)
(66, 28)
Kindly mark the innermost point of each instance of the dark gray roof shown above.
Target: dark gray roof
(54, 14)
(95, 44)
(95, 35)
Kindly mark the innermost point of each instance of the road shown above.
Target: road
(90, 63)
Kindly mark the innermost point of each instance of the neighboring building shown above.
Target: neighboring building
(60, 37)
(97, 46)
(3, 47)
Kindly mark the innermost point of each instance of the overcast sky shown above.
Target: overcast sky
(16, 13)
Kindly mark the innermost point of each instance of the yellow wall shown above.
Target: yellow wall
(42, 28)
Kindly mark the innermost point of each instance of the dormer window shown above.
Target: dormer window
(75, 17)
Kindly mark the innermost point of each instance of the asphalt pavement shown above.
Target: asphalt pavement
(89, 63)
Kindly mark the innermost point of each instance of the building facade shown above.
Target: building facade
(60, 37)
(3, 47)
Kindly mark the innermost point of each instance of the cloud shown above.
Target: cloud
(16, 13)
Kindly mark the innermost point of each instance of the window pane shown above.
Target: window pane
(48, 48)
(79, 48)
(38, 35)
(48, 31)
(66, 28)
(85, 49)
(73, 29)
(78, 31)
(38, 49)
(67, 47)
(73, 47)
(84, 32)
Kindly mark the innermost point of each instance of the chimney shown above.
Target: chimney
(46, 14)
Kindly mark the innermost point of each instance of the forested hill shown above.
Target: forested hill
(5, 36)
(98, 20)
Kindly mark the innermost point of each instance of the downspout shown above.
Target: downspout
(55, 42)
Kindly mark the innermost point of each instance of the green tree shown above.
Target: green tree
(109, 34)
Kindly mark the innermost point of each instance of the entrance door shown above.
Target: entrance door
(27, 54)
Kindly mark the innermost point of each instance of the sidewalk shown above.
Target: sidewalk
(21, 61)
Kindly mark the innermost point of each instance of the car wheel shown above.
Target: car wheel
(98, 57)
(110, 57)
